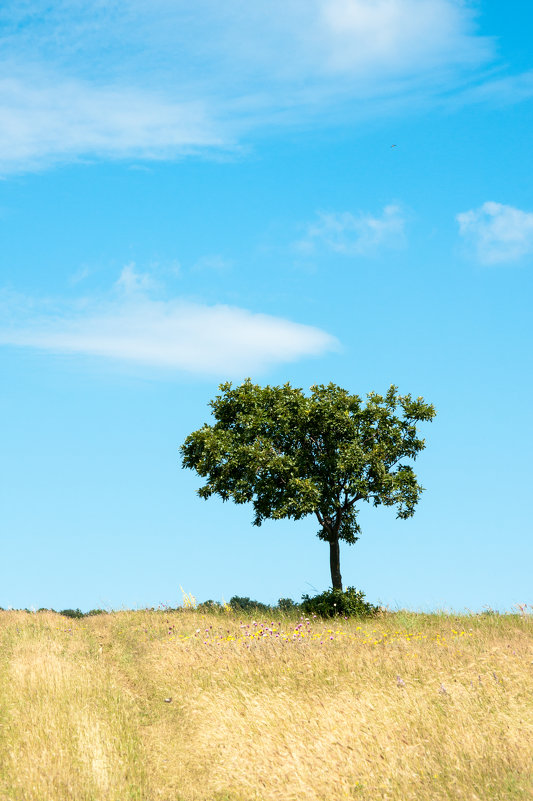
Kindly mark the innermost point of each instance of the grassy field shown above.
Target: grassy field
(183, 706)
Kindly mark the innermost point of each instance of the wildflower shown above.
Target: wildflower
(399, 681)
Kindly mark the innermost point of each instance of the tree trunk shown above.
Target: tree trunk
(335, 564)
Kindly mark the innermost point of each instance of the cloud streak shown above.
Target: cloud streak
(497, 233)
(46, 121)
(354, 234)
(159, 80)
(174, 334)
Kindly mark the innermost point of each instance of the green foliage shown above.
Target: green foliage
(291, 455)
(209, 606)
(74, 613)
(490, 612)
(347, 603)
(239, 604)
(77, 613)
(243, 604)
(287, 605)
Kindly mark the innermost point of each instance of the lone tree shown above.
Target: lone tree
(292, 455)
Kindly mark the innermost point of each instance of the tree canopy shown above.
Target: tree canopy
(292, 454)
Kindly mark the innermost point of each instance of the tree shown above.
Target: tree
(292, 455)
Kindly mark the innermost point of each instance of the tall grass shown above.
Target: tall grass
(189, 706)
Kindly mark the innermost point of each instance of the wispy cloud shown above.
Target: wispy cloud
(159, 79)
(173, 334)
(214, 262)
(399, 34)
(350, 234)
(498, 92)
(132, 282)
(498, 233)
(47, 120)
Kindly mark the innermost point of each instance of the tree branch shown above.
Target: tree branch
(319, 518)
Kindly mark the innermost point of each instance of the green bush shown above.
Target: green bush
(347, 603)
(287, 605)
(209, 606)
(77, 613)
(239, 604)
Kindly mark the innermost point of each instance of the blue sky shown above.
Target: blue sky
(197, 192)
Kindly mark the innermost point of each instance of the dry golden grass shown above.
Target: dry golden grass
(403, 707)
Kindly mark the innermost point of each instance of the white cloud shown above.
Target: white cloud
(155, 80)
(355, 235)
(80, 275)
(215, 262)
(498, 233)
(131, 282)
(399, 34)
(498, 92)
(44, 121)
(172, 334)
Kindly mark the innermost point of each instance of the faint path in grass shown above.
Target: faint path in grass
(183, 706)
(72, 731)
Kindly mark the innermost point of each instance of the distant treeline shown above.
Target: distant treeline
(331, 603)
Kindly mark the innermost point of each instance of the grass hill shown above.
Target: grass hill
(218, 706)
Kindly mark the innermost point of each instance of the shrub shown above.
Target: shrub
(239, 604)
(92, 612)
(490, 612)
(209, 606)
(287, 605)
(330, 603)
(77, 613)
